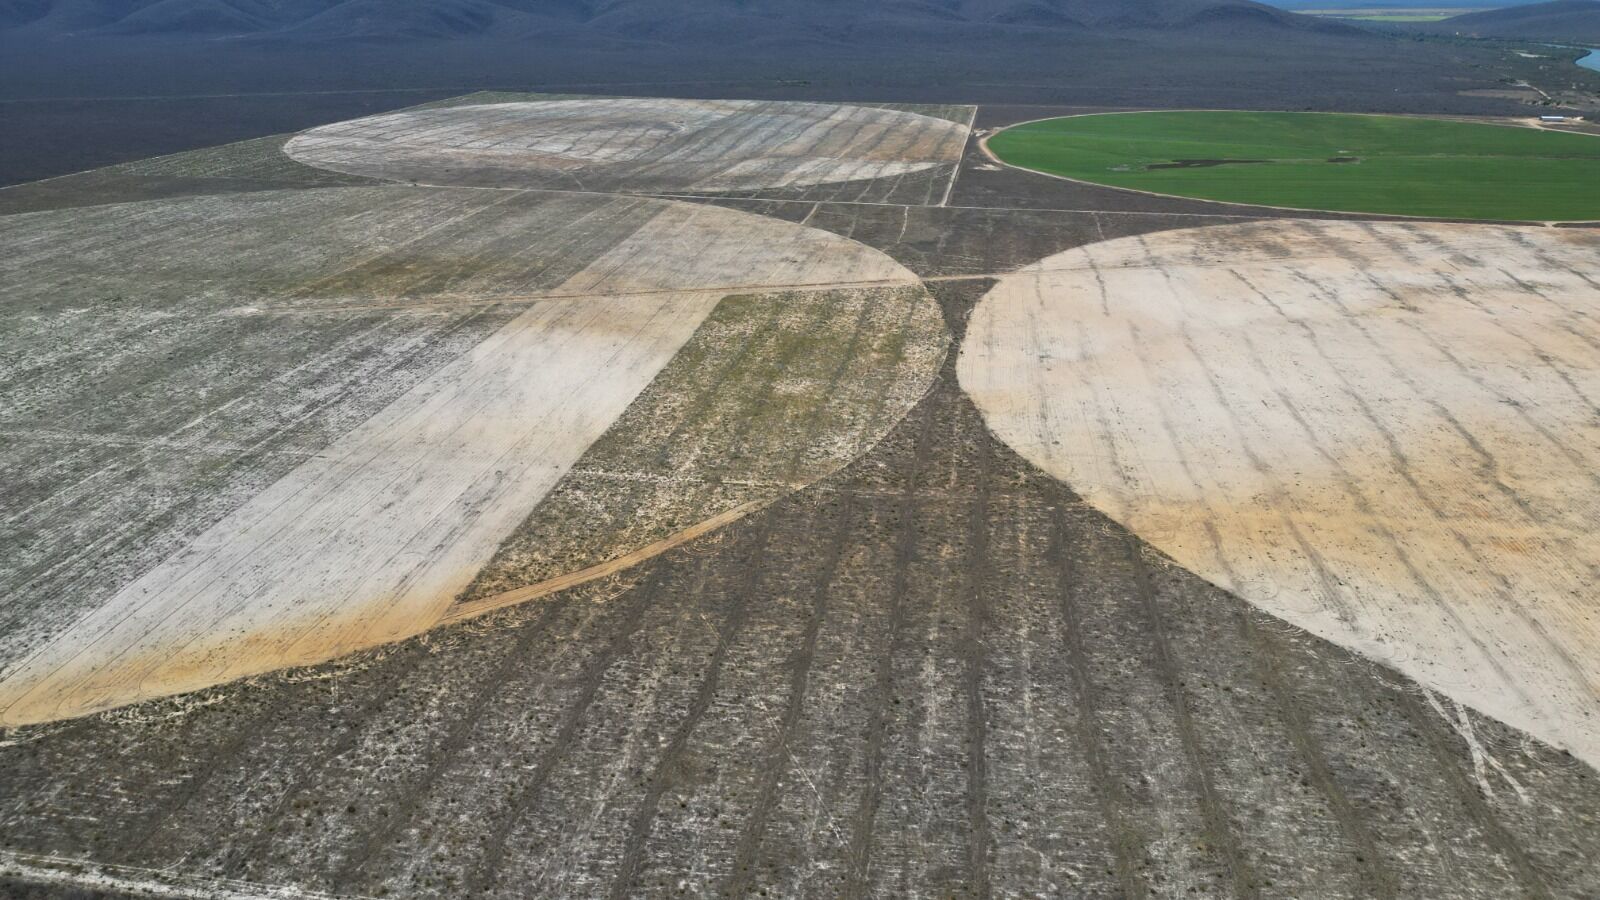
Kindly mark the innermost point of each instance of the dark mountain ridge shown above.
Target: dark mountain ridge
(1576, 21)
(674, 21)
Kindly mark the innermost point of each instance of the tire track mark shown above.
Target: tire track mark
(1213, 807)
(484, 875)
(778, 758)
(1495, 831)
(390, 678)
(980, 841)
(858, 859)
(1127, 845)
(1373, 873)
(628, 868)
(639, 833)
(444, 751)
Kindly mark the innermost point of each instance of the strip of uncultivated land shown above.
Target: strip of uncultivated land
(1385, 434)
(371, 537)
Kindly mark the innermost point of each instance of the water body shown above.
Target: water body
(1589, 60)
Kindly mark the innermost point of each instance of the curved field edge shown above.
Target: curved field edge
(803, 702)
(774, 392)
(259, 164)
(1335, 162)
(661, 146)
(134, 385)
(1288, 410)
(823, 375)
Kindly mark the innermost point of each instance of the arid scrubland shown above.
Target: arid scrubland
(506, 540)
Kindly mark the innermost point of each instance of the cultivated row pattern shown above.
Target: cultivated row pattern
(937, 673)
(637, 145)
(372, 536)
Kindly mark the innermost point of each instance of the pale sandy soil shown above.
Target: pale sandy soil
(1387, 434)
(639, 145)
(774, 392)
(372, 537)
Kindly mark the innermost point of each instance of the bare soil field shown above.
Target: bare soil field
(371, 536)
(938, 670)
(860, 646)
(1382, 433)
(638, 145)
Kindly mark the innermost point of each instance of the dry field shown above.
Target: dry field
(637, 145)
(504, 540)
(1385, 434)
(373, 534)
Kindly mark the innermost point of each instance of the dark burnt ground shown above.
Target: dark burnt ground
(114, 99)
(938, 673)
(1211, 163)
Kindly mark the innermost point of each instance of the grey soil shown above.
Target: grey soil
(936, 672)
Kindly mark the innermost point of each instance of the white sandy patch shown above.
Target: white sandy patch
(635, 144)
(1386, 434)
(372, 539)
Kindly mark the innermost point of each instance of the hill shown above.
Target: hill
(1575, 21)
(1398, 4)
(431, 20)
(677, 22)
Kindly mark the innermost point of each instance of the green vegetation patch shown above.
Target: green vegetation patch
(1389, 14)
(1383, 17)
(1350, 163)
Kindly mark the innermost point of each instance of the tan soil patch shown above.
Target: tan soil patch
(1386, 434)
(651, 145)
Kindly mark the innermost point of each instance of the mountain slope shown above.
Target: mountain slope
(189, 17)
(1563, 20)
(432, 20)
(678, 22)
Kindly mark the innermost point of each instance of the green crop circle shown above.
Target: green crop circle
(1396, 165)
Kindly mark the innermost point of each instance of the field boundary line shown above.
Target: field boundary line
(517, 596)
(463, 301)
(956, 172)
(1311, 215)
(88, 874)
